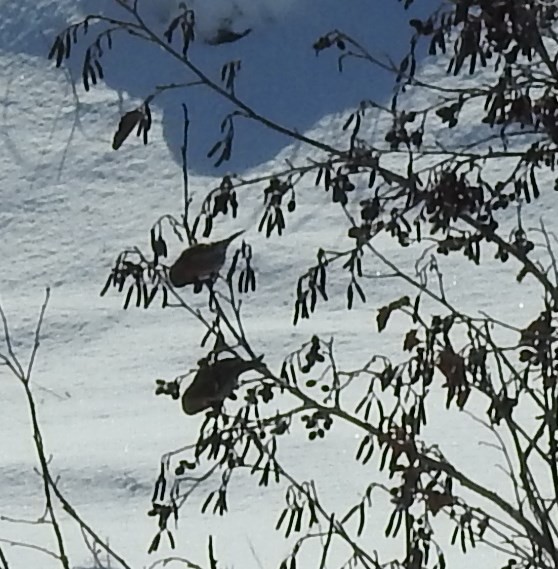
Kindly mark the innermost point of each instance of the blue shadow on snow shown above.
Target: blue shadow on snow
(281, 76)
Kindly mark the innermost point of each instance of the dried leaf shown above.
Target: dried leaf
(385, 312)
(410, 340)
(126, 125)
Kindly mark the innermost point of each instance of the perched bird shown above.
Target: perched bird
(214, 382)
(200, 262)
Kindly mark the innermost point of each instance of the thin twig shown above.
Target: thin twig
(36, 343)
(37, 437)
(187, 198)
(3, 560)
(25, 545)
(12, 360)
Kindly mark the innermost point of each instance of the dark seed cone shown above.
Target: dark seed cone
(215, 382)
(200, 262)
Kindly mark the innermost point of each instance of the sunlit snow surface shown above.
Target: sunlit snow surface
(69, 204)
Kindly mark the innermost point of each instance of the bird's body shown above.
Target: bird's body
(200, 262)
(213, 383)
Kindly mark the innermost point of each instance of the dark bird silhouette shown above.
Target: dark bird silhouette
(200, 262)
(214, 382)
(226, 35)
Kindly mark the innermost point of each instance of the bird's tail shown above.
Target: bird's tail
(257, 364)
(227, 240)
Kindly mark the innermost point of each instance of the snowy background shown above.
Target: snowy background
(69, 204)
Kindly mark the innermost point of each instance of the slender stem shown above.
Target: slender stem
(3, 560)
(12, 361)
(70, 510)
(37, 437)
(25, 545)
(36, 342)
(185, 175)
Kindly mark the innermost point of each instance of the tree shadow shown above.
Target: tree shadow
(281, 77)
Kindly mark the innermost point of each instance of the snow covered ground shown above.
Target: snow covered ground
(69, 204)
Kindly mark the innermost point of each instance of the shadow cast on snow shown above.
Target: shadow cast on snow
(281, 76)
